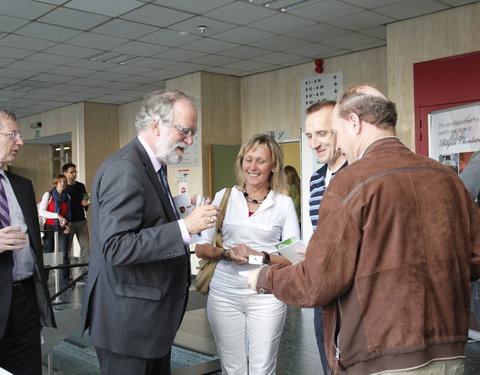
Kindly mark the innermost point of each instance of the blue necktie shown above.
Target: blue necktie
(162, 172)
(163, 177)
(4, 212)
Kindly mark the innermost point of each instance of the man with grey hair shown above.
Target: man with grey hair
(394, 274)
(24, 300)
(139, 274)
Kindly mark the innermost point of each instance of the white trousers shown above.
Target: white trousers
(247, 331)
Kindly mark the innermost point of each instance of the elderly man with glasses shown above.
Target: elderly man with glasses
(139, 275)
(24, 300)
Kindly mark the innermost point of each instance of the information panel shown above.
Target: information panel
(454, 134)
(312, 90)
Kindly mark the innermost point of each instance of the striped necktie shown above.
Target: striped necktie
(4, 212)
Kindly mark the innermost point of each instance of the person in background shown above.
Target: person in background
(471, 178)
(55, 209)
(79, 203)
(139, 272)
(323, 142)
(394, 272)
(24, 299)
(293, 187)
(247, 327)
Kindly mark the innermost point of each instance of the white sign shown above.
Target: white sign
(183, 176)
(191, 155)
(453, 134)
(454, 130)
(312, 90)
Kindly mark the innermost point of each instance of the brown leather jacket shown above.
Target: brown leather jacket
(392, 260)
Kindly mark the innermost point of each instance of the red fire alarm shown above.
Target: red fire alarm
(318, 65)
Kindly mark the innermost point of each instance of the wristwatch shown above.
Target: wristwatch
(266, 257)
(223, 256)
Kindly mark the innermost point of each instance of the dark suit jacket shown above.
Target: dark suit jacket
(139, 269)
(26, 199)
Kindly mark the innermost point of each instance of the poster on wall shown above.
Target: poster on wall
(312, 90)
(191, 155)
(454, 135)
(183, 176)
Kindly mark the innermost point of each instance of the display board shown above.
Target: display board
(312, 90)
(454, 134)
(191, 155)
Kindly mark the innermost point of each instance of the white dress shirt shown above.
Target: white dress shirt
(274, 221)
(23, 261)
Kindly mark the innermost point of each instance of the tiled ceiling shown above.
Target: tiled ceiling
(57, 52)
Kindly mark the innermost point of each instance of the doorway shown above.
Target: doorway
(42, 158)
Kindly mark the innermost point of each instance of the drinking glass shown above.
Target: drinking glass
(200, 200)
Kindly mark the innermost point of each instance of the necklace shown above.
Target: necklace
(254, 201)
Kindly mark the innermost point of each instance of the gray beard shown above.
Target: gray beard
(169, 155)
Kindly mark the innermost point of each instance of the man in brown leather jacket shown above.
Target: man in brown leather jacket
(394, 272)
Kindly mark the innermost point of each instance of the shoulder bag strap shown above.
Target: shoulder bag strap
(223, 208)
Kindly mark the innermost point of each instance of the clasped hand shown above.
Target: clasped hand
(240, 253)
(202, 218)
(12, 238)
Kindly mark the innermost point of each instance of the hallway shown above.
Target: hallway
(195, 353)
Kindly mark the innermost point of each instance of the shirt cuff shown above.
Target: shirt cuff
(262, 281)
(184, 230)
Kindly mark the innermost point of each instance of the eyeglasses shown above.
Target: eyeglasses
(12, 135)
(187, 132)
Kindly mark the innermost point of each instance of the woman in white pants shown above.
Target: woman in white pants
(247, 327)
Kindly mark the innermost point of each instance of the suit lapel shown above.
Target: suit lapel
(154, 179)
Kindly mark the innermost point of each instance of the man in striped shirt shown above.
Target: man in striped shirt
(318, 130)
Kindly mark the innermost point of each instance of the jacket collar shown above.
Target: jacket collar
(379, 143)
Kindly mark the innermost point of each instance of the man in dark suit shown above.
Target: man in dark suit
(24, 300)
(137, 287)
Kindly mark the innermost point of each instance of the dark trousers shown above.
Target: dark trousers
(20, 351)
(119, 364)
(318, 324)
(476, 301)
(48, 246)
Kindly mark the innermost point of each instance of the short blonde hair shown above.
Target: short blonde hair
(276, 181)
(56, 180)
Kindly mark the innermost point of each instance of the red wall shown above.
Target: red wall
(443, 83)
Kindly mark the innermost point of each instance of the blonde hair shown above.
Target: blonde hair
(276, 181)
(292, 176)
(57, 178)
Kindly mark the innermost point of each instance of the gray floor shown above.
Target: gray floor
(194, 344)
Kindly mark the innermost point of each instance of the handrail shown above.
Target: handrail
(73, 282)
